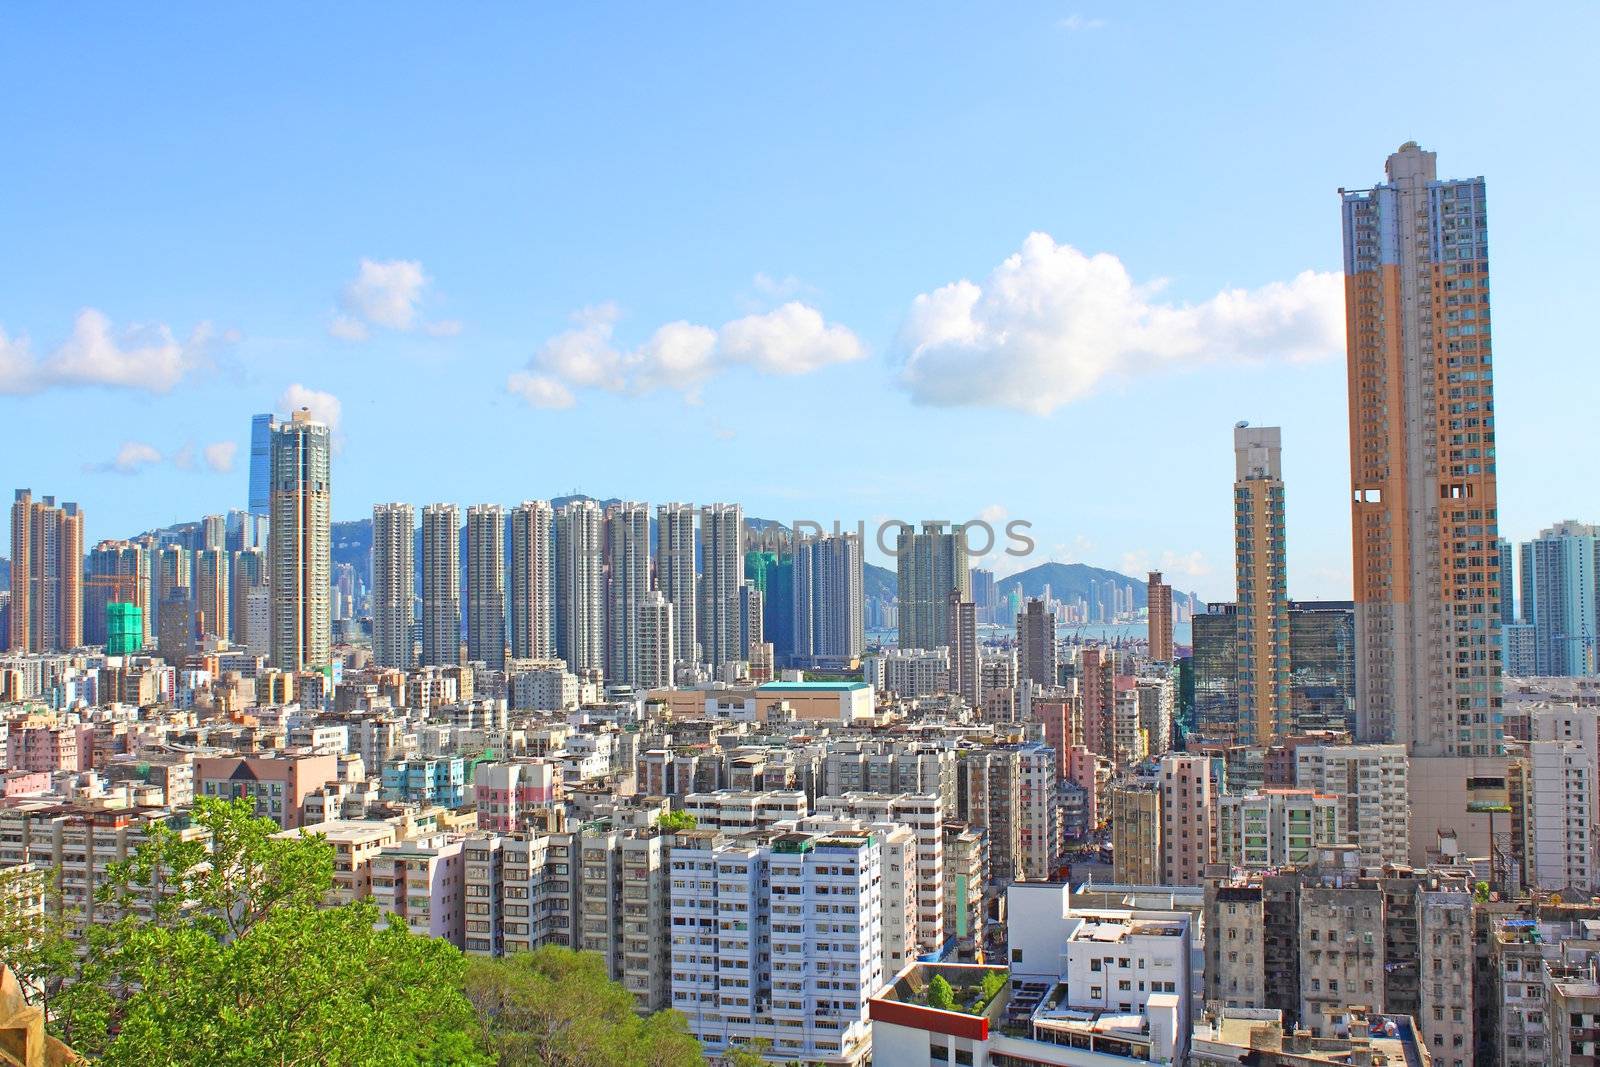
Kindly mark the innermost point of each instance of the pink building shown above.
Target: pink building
(1081, 768)
(506, 792)
(1188, 824)
(423, 882)
(279, 784)
(1056, 716)
(24, 783)
(39, 743)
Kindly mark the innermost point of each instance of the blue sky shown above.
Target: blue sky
(574, 204)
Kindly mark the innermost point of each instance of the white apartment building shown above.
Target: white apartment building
(1560, 807)
(1374, 779)
(743, 811)
(779, 938)
(1277, 828)
(423, 881)
(925, 816)
(909, 672)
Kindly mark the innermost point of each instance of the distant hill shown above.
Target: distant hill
(1069, 580)
(880, 582)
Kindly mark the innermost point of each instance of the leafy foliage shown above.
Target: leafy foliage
(557, 1008)
(940, 995)
(674, 821)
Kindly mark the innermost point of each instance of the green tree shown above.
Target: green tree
(557, 1008)
(674, 821)
(940, 995)
(36, 933)
(224, 955)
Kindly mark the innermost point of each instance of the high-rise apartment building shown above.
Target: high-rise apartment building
(1424, 510)
(1261, 580)
(118, 573)
(533, 592)
(829, 600)
(580, 610)
(1561, 598)
(655, 633)
(1508, 598)
(212, 593)
(393, 585)
(486, 585)
(676, 576)
(930, 566)
(1037, 658)
(965, 665)
(771, 572)
(46, 575)
(249, 609)
(299, 543)
(721, 578)
(1158, 602)
(627, 577)
(441, 585)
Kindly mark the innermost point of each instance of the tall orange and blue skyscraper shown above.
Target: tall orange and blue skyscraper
(1425, 524)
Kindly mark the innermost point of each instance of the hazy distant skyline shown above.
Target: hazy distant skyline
(1028, 262)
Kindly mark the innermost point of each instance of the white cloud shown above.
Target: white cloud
(1076, 23)
(1192, 564)
(133, 456)
(387, 294)
(142, 357)
(1051, 324)
(792, 339)
(219, 455)
(324, 407)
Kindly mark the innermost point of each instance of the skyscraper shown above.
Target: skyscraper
(1261, 579)
(486, 585)
(1037, 659)
(118, 573)
(299, 544)
(772, 572)
(579, 597)
(1508, 599)
(261, 427)
(655, 642)
(211, 592)
(248, 614)
(930, 566)
(676, 576)
(441, 585)
(1561, 598)
(174, 569)
(1422, 428)
(532, 581)
(721, 575)
(1158, 601)
(46, 575)
(965, 677)
(627, 576)
(393, 585)
(829, 600)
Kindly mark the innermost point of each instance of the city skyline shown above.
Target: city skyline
(848, 265)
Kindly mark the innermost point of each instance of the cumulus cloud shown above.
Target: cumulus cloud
(1051, 324)
(386, 294)
(1078, 23)
(1191, 564)
(788, 340)
(144, 357)
(219, 455)
(133, 456)
(324, 407)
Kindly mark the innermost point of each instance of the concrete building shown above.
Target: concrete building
(966, 677)
(721, 581)
(1136, 823)
(421, 881)
(829, 601)
(656, 652)
(486, 585)
(909, 672)
(211, 593)
(1279, 827)
(929, 566)
(1422, 461)
(1262, 584)
(532, 593)
(1158, 611)
(1037, 659)
(299, 544)
(46, 607)
(393, 585)
(627, 583)
(1188, 834)
(580, 598)
(924, 816)
(118, 573)
(1561, 599)
(441, 585)
(1560, 814)
(1373, 781)
(677, 576)
(279, 785)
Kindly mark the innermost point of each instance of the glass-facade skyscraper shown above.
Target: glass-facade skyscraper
(261, 427)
